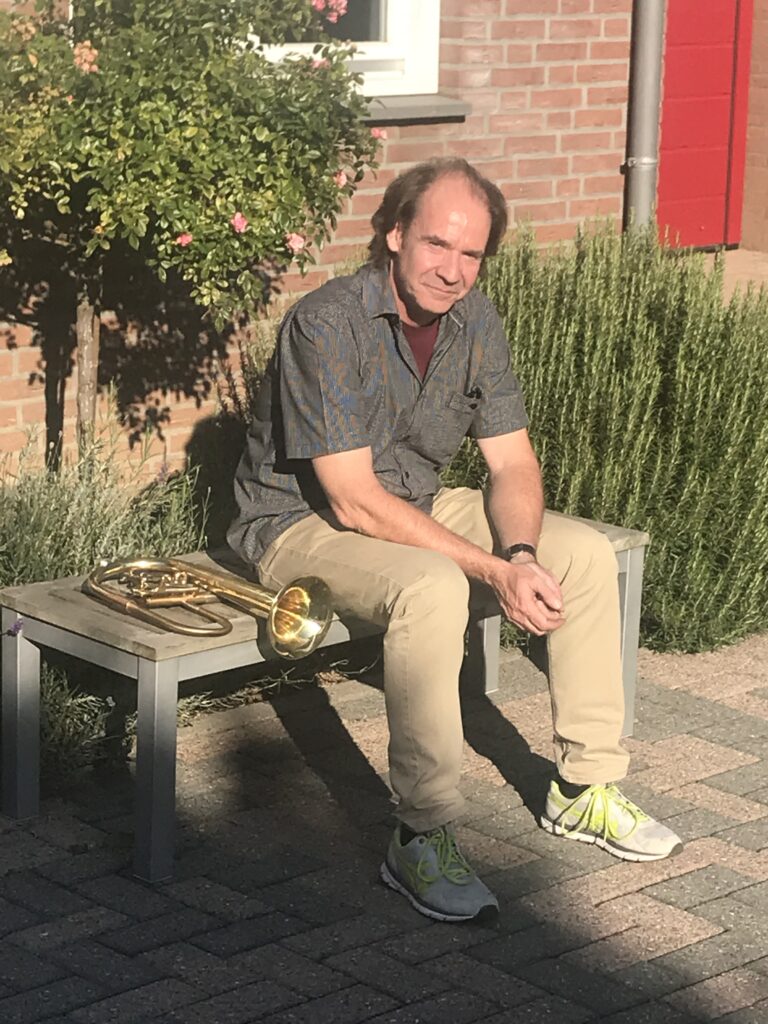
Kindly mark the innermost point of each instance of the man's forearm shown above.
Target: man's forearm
(516, 505)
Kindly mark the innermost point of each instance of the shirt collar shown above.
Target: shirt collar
(378, 299)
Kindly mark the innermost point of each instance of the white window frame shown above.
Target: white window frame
(406, 63)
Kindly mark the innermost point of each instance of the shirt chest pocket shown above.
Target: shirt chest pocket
(449, 423)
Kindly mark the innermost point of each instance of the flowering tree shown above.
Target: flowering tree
(162, 127)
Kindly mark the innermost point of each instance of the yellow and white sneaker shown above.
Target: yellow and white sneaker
(604, 816)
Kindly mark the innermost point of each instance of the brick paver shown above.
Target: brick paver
(276, 914)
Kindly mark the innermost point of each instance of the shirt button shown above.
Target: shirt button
(407, 475)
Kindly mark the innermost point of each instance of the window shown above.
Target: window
(398, 44)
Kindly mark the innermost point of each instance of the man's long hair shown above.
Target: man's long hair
(401, 202)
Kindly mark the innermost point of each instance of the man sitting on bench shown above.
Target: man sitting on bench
(375, 381)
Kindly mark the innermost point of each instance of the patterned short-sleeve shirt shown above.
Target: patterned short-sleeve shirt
(343, 377)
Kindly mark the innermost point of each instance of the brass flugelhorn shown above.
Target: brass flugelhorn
(298, 615)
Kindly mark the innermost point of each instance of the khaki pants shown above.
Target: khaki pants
(421, 599)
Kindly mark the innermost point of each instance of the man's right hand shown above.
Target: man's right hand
(529, 596)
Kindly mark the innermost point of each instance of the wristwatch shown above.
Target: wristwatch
(515, 549)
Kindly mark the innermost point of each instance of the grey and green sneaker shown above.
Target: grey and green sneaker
(432, 872)
(604, 816)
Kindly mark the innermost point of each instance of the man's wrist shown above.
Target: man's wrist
(519, 552)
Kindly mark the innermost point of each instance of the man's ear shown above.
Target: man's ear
(395, 238)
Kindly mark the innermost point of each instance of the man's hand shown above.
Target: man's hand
(529, 595)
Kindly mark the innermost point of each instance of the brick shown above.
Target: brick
(396, 979)
(615, 27)
(57, 997)
(589, 163)
(612, 6)
(470, 53)
(111, 971)
(45, 897)
(349, 1006)
(575, 6)
(157, 931)
(596, 118)
(605, 95)
(530, 144)
(594, 990)
(234, 938)
(699, 886)
(527, 190)
(613, 183)
(129, 897)
(561, 74)
(463, 28)
(504, 77)
(292, 969)
(716, 996)
(138, 1005)
(616, 71)
(559, 119)
(213, 898)
(574, 28)
(21, 970)
(507, 124)
(239, 1007)
(67, 929)
(572, 51)
(613, 49)
(517, 7)
(557, 98)
(585, 141)
(518, 28)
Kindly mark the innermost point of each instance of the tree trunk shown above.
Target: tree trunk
(87, 371)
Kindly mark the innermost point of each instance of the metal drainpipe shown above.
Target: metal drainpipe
(642, 157)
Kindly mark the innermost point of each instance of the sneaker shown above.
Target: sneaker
(604, 816)
(433, 874)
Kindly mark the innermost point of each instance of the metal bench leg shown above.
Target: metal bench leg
(482, 658)
(158, 687)
(630, 597)
(21, 720)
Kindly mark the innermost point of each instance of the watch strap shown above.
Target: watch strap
(516, 549)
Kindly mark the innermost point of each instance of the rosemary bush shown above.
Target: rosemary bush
(60, 523)
(646, 393)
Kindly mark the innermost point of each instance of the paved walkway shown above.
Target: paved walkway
(276, 914)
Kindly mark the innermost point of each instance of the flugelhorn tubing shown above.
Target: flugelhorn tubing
(298, 616)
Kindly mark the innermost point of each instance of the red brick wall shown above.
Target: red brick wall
(755, 216)
(547, 84)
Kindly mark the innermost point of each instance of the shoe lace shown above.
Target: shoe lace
(600, 813)
(451, 862)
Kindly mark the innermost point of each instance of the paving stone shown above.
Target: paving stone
(130, 897)
(239, 1007)
(293, 970)
(210, 973)
(747, 735)
(19, 850)
(138, 1005)
(741, 781)
(698, 886)
(296, 897)
(334, 938)
(757, 1014)
(214, 898)
(651, 979)
(92, 864)
(550, 1010)
(535, 876)
(736, 915)
(249, 875)
(698, 823)
(112, 971)
(50, 934)
(20, 970)
(496, 986)
(241, 935)
(712, 956)
(649, 1013)
(456, 1007)
(505, 824)
(47, 898)
(752, 835)
(397, 979)
(602, 994)
(14, 918)
(730, 991)
(512, 952)
(66, 831)
(425, 944)
(41, 1003)
(157, 931)
(755, 896)
(348, 1006)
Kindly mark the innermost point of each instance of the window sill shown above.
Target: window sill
(426, 109)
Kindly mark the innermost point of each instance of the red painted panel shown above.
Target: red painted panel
(703, 122)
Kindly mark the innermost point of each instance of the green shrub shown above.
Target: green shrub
(61, 523)
(646, 395)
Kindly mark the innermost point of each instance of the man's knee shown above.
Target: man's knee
(435, 584)
(577, 551)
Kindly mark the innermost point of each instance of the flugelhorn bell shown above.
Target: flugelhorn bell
(297, 616)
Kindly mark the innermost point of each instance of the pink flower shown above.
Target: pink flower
(339, 8)
(295, 242)
(340, 179)
(319, 5)
(183, 239)
(85, 56)
(239, 223)
(70, 98)
(379, 133)
(332, 17)
(320, 62)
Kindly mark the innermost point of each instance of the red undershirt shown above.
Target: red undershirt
(422, 341)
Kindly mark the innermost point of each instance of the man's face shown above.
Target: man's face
(437, 259)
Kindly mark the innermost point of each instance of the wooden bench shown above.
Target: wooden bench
(59, 616)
